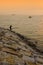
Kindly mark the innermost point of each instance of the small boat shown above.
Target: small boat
(13, 14)
(30, 16)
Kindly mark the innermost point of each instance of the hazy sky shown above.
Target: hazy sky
(21, 7)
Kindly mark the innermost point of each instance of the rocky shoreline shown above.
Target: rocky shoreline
(16, 49)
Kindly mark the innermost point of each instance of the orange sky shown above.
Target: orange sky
(21, 6)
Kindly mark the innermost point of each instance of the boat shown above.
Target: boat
(30, 16)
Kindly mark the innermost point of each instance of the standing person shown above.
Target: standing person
(10, 27)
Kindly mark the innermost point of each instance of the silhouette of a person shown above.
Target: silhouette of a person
(10, 27)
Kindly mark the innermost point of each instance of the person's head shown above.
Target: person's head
(10, 25)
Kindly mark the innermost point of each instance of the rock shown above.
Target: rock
(16, 49)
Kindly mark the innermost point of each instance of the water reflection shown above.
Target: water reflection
(22, 24)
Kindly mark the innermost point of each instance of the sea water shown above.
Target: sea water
(30, 27)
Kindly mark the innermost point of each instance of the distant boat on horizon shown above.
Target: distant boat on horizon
(13, 14)
(30, 17)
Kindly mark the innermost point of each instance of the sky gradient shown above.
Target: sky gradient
(33, 7)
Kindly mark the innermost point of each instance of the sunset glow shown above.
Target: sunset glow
(21, 6)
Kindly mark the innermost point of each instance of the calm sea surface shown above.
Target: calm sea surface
(30, 27)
